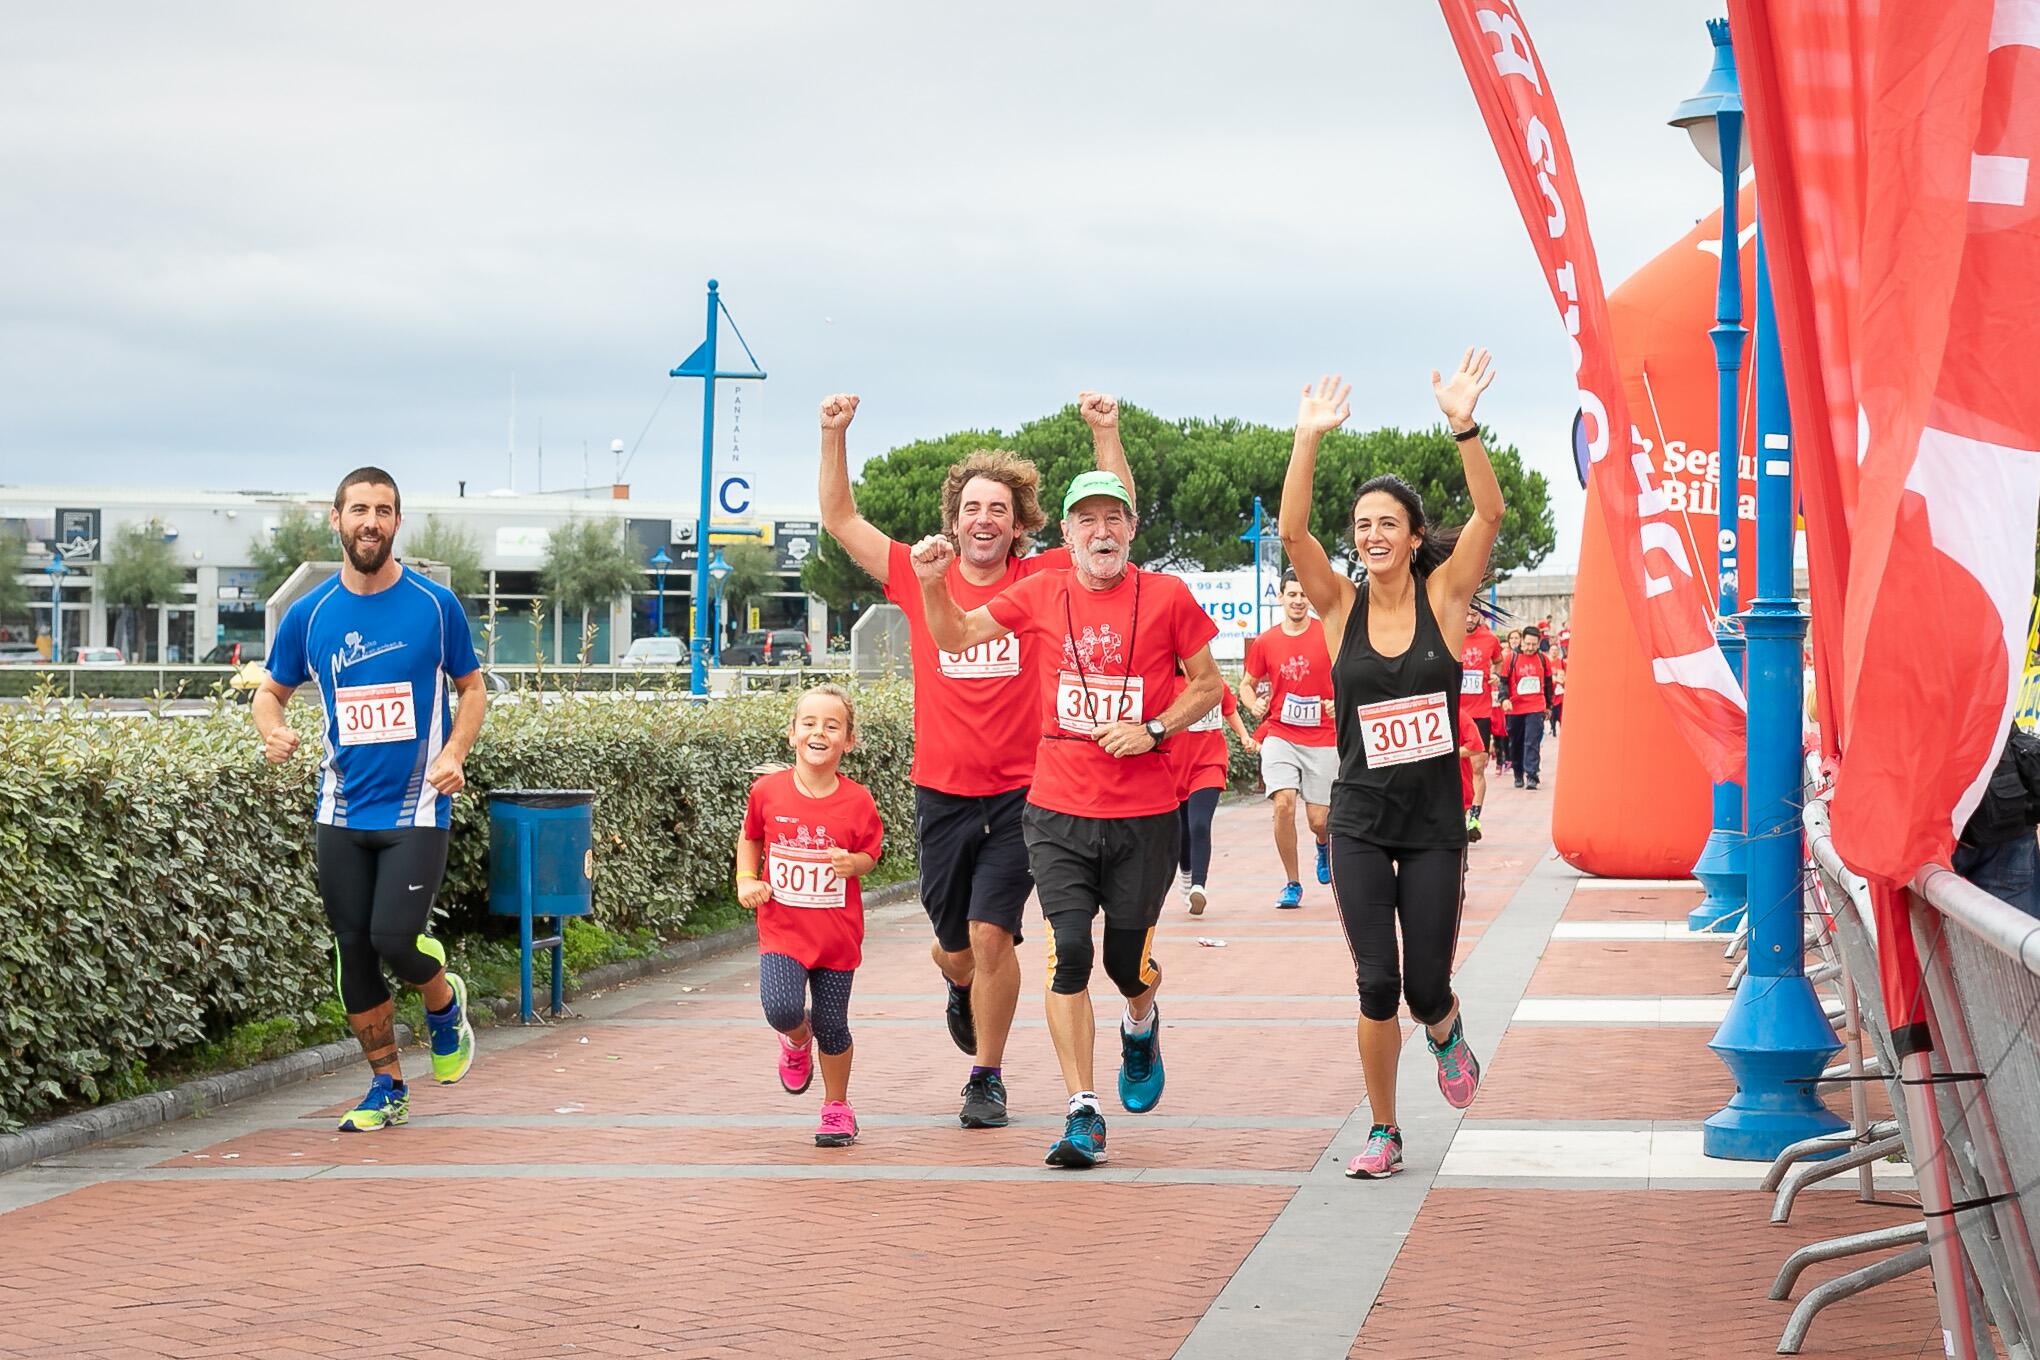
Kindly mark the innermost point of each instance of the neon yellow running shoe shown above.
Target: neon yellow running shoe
(453, 1039)
(387, 1103)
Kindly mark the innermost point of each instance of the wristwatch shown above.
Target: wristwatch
(1155, 730)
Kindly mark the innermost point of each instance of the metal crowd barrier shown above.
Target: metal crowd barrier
(1981, 959)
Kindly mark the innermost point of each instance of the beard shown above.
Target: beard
(367, 559)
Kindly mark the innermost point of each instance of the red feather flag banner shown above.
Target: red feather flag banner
(1668, 595)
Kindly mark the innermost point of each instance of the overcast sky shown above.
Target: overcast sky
(249, 245)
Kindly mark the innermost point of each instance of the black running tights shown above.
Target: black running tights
(1422, 891)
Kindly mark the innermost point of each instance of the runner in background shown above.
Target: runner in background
(1472, 762)
(1287, 687)
(1504, 758)
(975, 725)
(1203, 760)
(1476, 701)
(1398, 825)
(1557, 660)
(1526, 678)
(810, 835)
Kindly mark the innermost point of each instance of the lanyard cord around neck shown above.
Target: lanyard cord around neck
(1077, 654)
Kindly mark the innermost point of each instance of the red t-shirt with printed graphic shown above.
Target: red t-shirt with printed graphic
(1523, 681)
(1110, 656)
(1477, 663)
(975, 729)
(1199, 752)
(813, 917)
(1299, 674)
(1469, 736)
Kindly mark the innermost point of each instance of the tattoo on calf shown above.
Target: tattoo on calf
(376, 1031)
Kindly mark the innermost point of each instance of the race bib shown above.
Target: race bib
(1302, 710)
(368, 715)
(800, 876)
(1084, 703)
(1532, 683)
(987, 661)
(1398, 731)
(1210, 722)
(1472, 682)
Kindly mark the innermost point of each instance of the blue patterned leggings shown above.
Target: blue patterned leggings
(783, 987)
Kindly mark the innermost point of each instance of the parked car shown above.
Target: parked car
(97, 656)
(776, 647)
(655, 651)
(234, 654)
(20, 654)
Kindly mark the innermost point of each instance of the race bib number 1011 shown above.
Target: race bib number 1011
(1398, 731)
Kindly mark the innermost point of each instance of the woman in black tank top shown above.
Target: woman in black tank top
(1398, 830)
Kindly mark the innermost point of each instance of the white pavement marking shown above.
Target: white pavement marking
(1635, 930)
(1602, 1154)
(1621, 1010)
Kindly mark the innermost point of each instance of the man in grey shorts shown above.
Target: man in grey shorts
(1288, 689)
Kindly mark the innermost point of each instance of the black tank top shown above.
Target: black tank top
(1403, 800)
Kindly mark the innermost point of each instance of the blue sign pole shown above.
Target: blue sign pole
(701, 364)
(660, 561)
(1253, 536)
(58, 570)
(1776, 1037)
(1721, 867)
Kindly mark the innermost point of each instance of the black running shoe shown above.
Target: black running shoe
(962, 1028)
(984, 1102)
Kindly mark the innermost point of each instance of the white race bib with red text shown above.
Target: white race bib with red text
(1086, 702)
(1210, 722)
(369, 715)
(801, 876)
(1398, 731)
(986, 661)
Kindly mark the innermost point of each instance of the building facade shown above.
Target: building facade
(212, 536)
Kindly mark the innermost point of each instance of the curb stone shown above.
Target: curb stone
(74, 1132)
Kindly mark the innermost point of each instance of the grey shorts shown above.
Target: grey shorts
(1307, 769)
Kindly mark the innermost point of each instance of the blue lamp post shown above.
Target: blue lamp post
(58, 569)
(1776, 1037)
(701, 364)
(1713, 118)
(659, 563)
(718, 572)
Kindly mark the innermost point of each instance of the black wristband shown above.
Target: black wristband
(1471, 432)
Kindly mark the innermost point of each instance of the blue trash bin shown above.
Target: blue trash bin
(541, 864)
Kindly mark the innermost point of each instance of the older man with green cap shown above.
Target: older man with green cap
(1130, 667)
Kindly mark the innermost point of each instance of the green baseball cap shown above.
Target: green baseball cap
(1096, 484)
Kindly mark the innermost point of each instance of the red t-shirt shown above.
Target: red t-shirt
(1477, 657)
(1299, 672)
(1558, 682)
(813, 917)
(1469, 735)
(1200, 753)
(1104, 662)
(1523, 681)
(974, 725)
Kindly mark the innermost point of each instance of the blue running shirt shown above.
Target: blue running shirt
(382, 663)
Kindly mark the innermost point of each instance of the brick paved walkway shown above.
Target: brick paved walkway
(635, 1182)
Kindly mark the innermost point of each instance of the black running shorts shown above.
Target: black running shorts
(1122, 864)
(973, 863)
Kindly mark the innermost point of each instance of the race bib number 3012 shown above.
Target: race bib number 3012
(369, 715)
(801, 876)
(1398, 731)
(987, 661)
(1084, 703)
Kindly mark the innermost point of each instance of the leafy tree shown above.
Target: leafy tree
(302, 535)
(140, 571)
(588, 565)
(13, 595)
(833, 577)
(439, 541)
(754, 571)
(901, 492)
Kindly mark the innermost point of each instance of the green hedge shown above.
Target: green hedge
(156, 877)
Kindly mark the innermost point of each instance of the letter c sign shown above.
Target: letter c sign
(734, 495)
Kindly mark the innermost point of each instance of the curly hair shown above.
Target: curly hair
(1011, 471)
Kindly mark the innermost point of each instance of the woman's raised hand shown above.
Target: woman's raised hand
(1460, 393)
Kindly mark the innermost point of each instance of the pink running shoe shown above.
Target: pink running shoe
(1458, 1069)
(796, 1065)
(839, 1125)
(1381, 1158)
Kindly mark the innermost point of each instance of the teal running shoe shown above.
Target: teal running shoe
(1082, 1145)
(1291, 898)
(387, 1104)
(1140, 1066)
(1324, 861)
(453, 1039)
